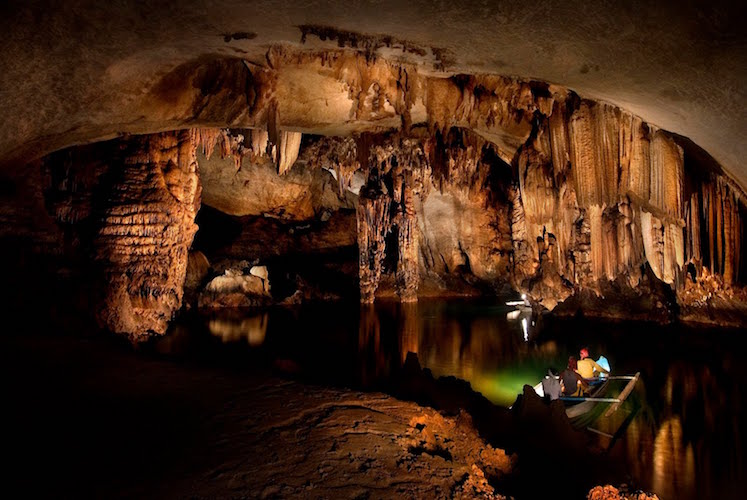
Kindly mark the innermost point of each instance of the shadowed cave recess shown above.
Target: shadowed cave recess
(344, 176)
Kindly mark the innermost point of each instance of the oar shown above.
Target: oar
(598, 400)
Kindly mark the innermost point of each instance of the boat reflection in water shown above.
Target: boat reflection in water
(682, 440)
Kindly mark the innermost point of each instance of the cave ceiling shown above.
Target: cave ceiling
(77, 72)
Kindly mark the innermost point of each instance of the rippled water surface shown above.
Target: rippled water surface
(680, 436)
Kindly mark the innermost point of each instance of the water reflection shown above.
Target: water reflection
(252, 329)
(674, 461)
(483, 345)
(689, 442)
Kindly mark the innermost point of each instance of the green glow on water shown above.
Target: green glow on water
(503, 385)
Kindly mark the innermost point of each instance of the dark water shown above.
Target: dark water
(680, 437)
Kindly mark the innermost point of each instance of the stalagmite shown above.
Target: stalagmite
(148, 226)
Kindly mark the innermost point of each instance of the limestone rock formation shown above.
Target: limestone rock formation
(474, 181)
(143, 244)
(241, 182)
(373, 225)
(237, 288)
(609, 492)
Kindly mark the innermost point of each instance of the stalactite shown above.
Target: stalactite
(229, 145)
(606, 142)
(560, 149)
(635, 162)
(582, 259)
(287, 153)
(667, 172)
(597, 241)
(611, 244)
(671, 243)
(594, 152)
(408, 276)
(523, 257)
(719, 233)
(259, 140)
(710, 225)
(345, 163)
(651, 229)
(374, 221)
(628, 246)
(738, 236)
(693, 230)
(583, 158)
(339, 154)
(207, 138)
(537, 186)
(728, 242)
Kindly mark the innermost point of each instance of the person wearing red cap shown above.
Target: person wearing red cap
(587, 366)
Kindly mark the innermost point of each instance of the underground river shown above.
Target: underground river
(678, 435)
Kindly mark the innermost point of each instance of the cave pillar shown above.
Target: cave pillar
(374, 222)
(147, 228)
(408, 275)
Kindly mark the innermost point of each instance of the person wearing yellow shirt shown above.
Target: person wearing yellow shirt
(587, 366)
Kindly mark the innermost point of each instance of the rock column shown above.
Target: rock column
(147, 229)
(374, 222)
(408, 275)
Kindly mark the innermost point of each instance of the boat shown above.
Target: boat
(603, 402)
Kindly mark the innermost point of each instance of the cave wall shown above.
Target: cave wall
(494, 180)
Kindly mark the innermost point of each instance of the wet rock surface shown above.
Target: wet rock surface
(609, 492)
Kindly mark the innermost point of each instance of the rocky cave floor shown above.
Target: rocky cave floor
(93, 420)
(90, 417)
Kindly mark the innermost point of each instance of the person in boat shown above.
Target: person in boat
(602, 361)
(588, 368)
(573, 383)
(551, 384)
